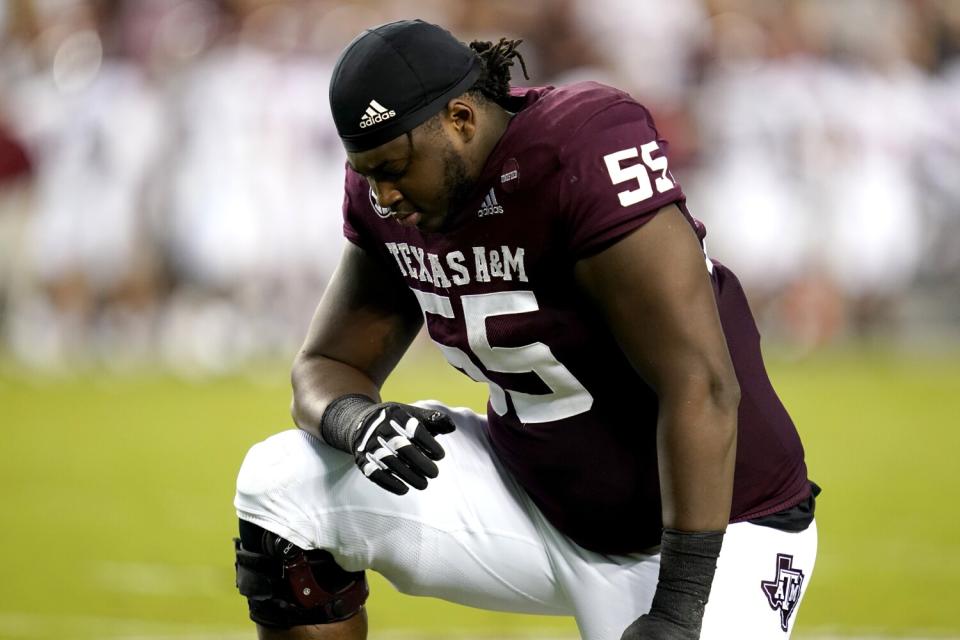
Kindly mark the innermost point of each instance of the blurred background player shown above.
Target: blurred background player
(180, 220)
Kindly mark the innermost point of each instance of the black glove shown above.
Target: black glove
(392, 443)
(688, 561)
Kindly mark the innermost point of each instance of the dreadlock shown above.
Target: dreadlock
(496, 60)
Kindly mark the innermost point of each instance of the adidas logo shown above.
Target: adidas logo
(375, 113)
(490, 206)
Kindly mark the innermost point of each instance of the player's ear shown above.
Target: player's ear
(463, 118)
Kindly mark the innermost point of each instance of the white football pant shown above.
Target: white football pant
(475, 538)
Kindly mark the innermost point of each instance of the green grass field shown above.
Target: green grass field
(117, 492)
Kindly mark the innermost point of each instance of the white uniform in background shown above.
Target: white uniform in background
(95, 150)
(870, 155)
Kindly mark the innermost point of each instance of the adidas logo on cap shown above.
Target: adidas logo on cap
(375, 113)
(490, 206)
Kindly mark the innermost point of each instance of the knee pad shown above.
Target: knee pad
(287, 586)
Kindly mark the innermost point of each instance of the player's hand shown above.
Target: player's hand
(395, 446)
(648, 627)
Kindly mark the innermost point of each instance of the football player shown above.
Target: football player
(635, 468)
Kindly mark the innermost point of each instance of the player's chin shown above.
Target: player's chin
(430, 222)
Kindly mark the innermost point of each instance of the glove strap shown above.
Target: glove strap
(688, 561)
(341, 420)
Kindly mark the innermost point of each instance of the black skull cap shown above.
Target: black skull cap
(394, 77)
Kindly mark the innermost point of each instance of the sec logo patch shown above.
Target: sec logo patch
(510, 175)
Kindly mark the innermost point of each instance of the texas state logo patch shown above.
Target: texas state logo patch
(783, 592)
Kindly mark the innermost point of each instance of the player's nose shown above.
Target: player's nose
(386, 193)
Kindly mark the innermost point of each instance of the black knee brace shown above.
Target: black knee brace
(286, 586)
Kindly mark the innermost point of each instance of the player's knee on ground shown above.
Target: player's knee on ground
(286, 586)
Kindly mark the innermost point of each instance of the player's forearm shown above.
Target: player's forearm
(360, 330)
(317, 380)
(696, 446)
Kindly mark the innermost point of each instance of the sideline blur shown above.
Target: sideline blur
(170, 180)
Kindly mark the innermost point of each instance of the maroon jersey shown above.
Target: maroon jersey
(578, 168)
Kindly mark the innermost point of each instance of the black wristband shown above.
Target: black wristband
(688, 561)
(342, 418)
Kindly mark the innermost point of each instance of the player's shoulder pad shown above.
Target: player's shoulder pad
(568, 109)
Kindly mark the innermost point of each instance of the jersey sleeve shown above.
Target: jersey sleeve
(615, 175)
